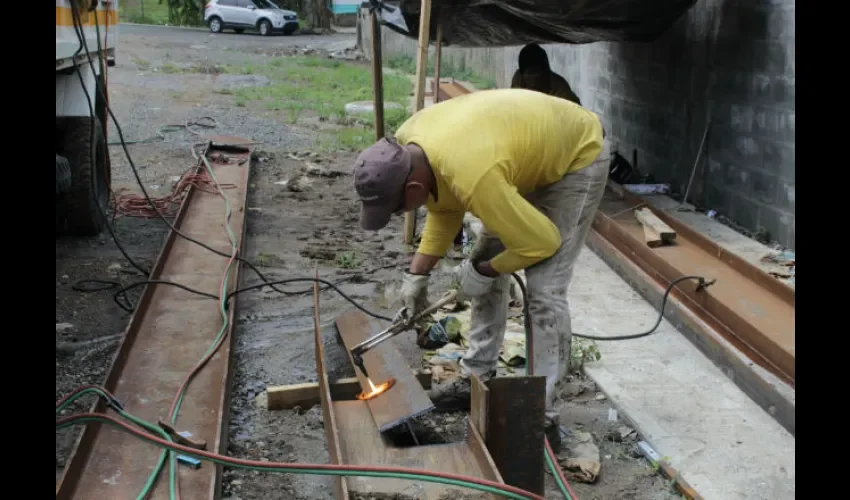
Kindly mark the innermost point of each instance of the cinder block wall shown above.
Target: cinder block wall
(732, 61)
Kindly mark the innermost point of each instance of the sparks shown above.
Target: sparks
(377, 390)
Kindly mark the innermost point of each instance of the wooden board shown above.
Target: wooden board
(655, 231)
(406, 398)
(306, 395)
(364, 445)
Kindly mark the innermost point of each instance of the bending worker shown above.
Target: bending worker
(534, 73)
(528, 166)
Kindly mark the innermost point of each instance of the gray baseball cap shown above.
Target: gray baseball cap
(380, 173)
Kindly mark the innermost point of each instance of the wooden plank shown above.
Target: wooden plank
(437, 57)
(306, 395)
(655, 231)
(377, 76)
(328, 417)
(406, 398)
(479, 405)
(515, 430)
(364, 445)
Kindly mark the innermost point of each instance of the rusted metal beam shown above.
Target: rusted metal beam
(515, 433)
(328, 415)
(406, 398)
(168, 334)
(749, 308)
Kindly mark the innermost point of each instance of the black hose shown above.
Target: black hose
(527, 315)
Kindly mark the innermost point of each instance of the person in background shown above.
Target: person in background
(534, 73)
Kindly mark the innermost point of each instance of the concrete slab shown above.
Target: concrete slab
(722, 443)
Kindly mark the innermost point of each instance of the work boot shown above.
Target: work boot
(552, 428)
(452, 396)
(455, 395)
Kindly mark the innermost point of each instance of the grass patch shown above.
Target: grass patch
(346, 260)
(142, 64)
(143, 12)
(447, 70)
(301, 85)
(170, 69)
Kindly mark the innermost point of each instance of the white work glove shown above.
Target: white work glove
(472, 283)
(414, 291)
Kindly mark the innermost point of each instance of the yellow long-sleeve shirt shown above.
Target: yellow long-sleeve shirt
(489, 148)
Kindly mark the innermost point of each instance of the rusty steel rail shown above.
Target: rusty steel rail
(168, 334)
(748, 307)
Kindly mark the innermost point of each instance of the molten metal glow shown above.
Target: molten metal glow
(377, 390)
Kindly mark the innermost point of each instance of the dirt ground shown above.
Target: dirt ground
(297, 218)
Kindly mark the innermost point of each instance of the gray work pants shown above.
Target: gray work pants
(570, 204)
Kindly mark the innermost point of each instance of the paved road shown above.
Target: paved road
(168, 35)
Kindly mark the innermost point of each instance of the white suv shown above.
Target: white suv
(239, 15)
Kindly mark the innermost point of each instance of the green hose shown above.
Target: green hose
(322, 472)
(223, 309)
(136, 420)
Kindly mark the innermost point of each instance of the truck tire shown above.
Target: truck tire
(63, 184)
(86, 201)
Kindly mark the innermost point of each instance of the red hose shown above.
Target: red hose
(529, 340)
(300, 466)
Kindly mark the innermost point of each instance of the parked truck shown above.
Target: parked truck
(83, 173)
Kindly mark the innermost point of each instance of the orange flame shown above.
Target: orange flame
(377, 390)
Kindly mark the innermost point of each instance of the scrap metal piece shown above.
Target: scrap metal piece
(515, 432)
(407, 399)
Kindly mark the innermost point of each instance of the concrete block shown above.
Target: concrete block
(717, 197)
(782, 23)
(763, 186)
(741, 118)
(774, 123)
(786, 195)
(753, 20)
(748, 150)
(783, 91)
(744, 211)
(778, 156)
(736, 178)
(769, 220)
(603, 83)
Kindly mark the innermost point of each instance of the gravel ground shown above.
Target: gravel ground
(296, 219)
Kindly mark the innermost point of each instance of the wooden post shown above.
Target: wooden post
(419, 95)
(377, 77)
(437, 55)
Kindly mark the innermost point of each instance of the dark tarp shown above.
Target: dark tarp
(493, 23)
